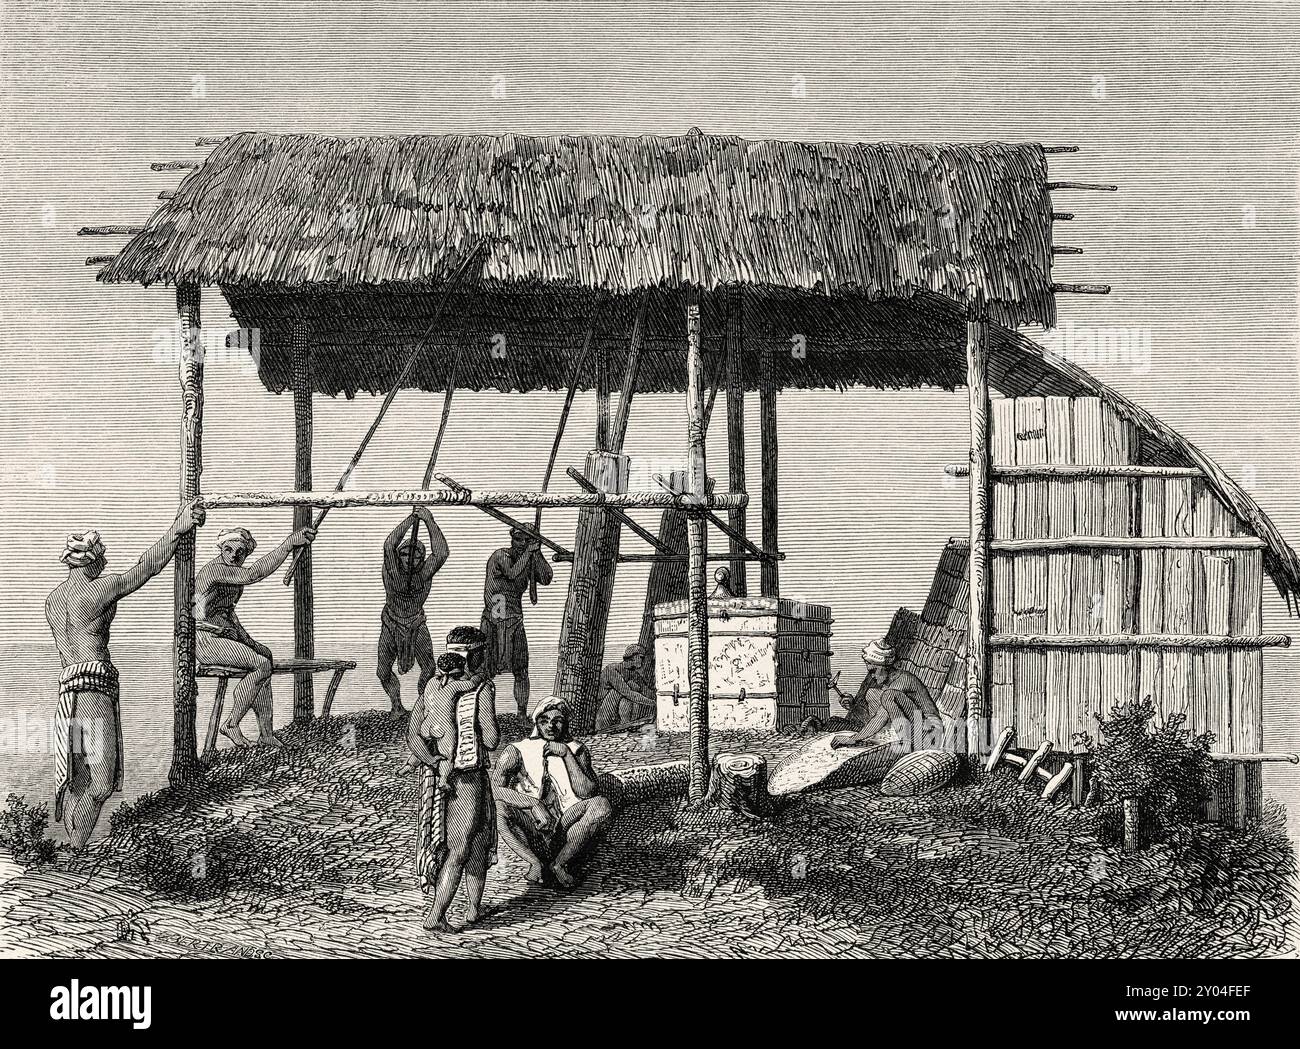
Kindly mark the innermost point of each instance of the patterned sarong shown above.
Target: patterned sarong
(431, 825)
(94, 676)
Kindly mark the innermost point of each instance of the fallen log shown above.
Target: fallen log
(643, 782)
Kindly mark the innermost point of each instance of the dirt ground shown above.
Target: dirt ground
(309, 853)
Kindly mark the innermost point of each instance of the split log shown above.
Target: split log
(739, 782)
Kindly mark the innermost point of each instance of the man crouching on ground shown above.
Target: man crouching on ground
(549, 806)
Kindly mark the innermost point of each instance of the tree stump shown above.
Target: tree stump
(739, 782)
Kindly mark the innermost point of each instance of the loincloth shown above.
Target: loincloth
(507, 642)
(402, 634)
(94, 676)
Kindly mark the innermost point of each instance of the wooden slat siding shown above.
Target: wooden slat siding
(1118, 671)
(1180, 603)
(1151, 594)
(1213, 693)
(1029, 668)
(1086, 594)
(1060, 523)
(1005, 497)
(1247, 671)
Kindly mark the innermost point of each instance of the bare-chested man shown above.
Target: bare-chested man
(549, 806)
(454, 737)
(220, 638)
(889, 696)
(510, 571)
(80, 611)
(403, 633)
(624, 696)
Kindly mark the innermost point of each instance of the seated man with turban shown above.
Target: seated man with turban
(888, 696)
(88, 719)
(549, 806)
(220, 638)
(624, 697)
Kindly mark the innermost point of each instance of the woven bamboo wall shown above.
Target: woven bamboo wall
(1053, 692)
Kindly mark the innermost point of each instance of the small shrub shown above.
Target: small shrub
(22, 832)
(1161, 764)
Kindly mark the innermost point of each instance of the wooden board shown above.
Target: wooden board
(1180, 604)
(1151, 589)
(1060, 523)
(1213, 680)
(1002, 570)
(1029, 612)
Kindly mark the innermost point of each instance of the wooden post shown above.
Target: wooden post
(602, 396)
(736, 433)
(977, 664)
(185, 759)
(304, 629)
(769, 577)
(1132, 824)
(697, 541)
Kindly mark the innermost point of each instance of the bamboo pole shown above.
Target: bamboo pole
(346, 476)
(505, 519)
(185, 759)
(630, 373)
(1174, 641)
(769, 574)
(109, 231)
(1079, 471)
(304, 629)
(1082, 289)
(697, 542)
(463, 496)
(1105, 187)
(1120, 542)
(978, 561)
(654, 558)
(174, 165)
(736, 436)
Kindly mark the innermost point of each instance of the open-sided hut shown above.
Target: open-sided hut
(675, 264)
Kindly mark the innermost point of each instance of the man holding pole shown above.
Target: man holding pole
(408, 576)
(510, 571)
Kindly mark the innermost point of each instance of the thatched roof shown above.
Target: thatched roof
(609, 213)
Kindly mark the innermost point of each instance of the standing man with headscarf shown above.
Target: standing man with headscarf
(408, 577)
(220, 638)
(549, 805)
(510, 571)
(80, 611)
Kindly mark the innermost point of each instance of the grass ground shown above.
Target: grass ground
(309, 853)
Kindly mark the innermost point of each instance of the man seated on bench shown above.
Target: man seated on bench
(549, 807)
(220, 637)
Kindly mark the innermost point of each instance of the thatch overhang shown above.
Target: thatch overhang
(860, 254)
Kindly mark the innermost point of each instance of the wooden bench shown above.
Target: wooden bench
(223, 674)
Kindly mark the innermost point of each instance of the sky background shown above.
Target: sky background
(1192, 110)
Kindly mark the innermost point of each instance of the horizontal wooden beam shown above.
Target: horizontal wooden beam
(1176, 641)
(642, 558)
(1081, 471)
(174, 165)
(1217, 755)
(1105, 187)
(1124, 542)
(1062, 216)
(490, 497)
(644, 533)
(1060, 149)
(1065, 249)
(109, 231)
(726, 529)
(1082, 289)
(95, 260)
(209, 140)
(506, 519)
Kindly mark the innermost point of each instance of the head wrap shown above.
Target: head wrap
(82, 548)
(237, 535)
(877, 653)
(553, 703)
(632, 651)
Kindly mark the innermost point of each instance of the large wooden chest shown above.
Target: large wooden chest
(769, 663)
